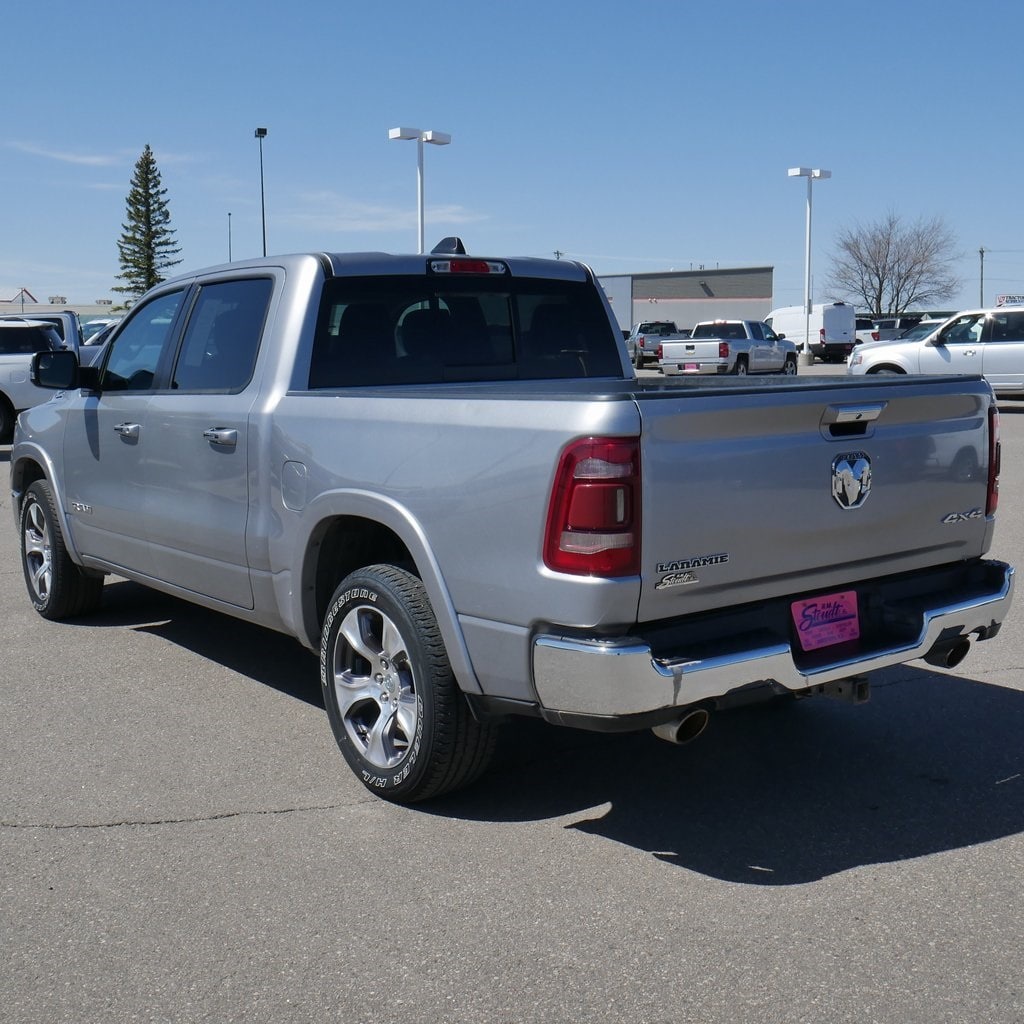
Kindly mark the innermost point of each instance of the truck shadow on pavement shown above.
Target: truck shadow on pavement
(783, 795)
(270, 658)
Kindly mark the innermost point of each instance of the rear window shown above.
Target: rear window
(429, 330)
(26, 340)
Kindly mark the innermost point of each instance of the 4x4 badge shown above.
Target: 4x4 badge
(851, 479)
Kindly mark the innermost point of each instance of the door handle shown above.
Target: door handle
(221, 436)
(129, 431)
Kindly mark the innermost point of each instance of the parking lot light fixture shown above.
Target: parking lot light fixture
(807, 356)
(261, 134)
(435, 138)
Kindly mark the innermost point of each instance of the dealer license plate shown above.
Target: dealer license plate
(826, 620)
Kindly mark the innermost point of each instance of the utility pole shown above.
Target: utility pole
(981, 290)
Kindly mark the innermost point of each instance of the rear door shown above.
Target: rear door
(197, 443)
(1003, 359)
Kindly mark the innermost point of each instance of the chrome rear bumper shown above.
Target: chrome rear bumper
(603, 677)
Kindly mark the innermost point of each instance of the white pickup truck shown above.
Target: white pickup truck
(441, 473)
(729, 347)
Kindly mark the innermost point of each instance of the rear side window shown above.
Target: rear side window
(24, 340)
(429, 330)
(222, 337)
(1008, 327)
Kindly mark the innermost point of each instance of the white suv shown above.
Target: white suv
(984, 341)
(19, 340)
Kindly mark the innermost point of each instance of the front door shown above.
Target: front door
(105, 442)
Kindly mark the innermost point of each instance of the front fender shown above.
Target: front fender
(30, 462)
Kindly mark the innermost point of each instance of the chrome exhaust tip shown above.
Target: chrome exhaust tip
(685, 728)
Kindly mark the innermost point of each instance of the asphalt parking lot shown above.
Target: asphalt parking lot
(181, 841)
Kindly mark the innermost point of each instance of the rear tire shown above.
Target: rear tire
(740, 369)
(397, 713)
(57, 587)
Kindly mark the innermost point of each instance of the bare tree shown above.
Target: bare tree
(890, 266)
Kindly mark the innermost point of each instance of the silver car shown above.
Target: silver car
(19, 340)
(984, 341)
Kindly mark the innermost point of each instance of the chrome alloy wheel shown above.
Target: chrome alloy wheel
(38, 551)
(375, 686)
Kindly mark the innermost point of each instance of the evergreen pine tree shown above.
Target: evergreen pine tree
(147, 245)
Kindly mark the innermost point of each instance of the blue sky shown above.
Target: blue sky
(635, 136)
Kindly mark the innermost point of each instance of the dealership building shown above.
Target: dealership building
(689, 296)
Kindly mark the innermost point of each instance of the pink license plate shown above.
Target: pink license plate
(826, 620)
(692, 367)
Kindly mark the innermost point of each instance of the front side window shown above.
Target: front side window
(964, 330)
(136, 352)
(222, 336)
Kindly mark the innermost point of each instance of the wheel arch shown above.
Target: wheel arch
(886, 368)
(26, 469)
(349, 531)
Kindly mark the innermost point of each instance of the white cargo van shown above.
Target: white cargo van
(833, 328)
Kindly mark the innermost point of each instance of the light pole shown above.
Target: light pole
(261, 134)
(435, 139)
(229, 236)
(807, 356)
(981, 287)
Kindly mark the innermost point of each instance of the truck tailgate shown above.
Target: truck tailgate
(764, 489)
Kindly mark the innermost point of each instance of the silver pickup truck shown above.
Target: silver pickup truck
(441, 473)
(729, 347)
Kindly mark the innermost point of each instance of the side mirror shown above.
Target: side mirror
(59, 371)
(780, 336)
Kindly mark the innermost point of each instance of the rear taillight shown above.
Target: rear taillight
(821, 335)
(723, 350)
(874, 335)
(994, 457)
(593, 524)
(660, 352)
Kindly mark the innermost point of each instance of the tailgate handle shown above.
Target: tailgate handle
(851, 420)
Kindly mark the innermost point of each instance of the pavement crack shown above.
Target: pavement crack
(192, 820)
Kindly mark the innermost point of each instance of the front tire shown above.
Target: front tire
(57, 587)
(397, 713)
(789, 366)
